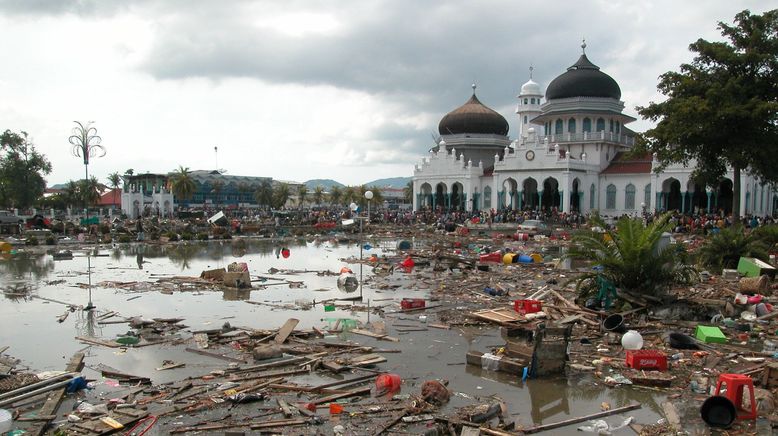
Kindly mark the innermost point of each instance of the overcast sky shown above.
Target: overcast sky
(297, 90)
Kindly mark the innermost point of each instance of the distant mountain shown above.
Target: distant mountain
(327, 184)
(394, 182)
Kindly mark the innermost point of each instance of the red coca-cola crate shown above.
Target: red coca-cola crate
(527, 306)
(412, 303)
(647, 359)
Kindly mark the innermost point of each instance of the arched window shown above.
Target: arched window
(629, 197)
(591, 196)
(532, 101)
(610, 124)
(618, 127)
(571, 125)
(525, 119)
(647, 196)
(487, 198)
(610, 197)
(587, 125)
(525, 101)
(559, 127)
(600, 124)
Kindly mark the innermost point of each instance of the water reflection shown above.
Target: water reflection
(27, 265)
(86, 324)
(548, 398)
(236, 294)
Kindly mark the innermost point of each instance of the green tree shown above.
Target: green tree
(350, 194)
(722, 108)
(182, 184)
(281, 194)
(243, 189)
(630, 256)
(318, 195)
(22, 170)
(89, 191)
(336, 194)
(72, 194)
(408, 192)
(218, 187)
(264, 193)
(115, 180)
(129, 172)
(302, 194)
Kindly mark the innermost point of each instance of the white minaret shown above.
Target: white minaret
(529, 106)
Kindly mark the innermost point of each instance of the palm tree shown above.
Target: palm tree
(318, 195)
(264, 193)
(631, 257)
(350, 194)
(302, 194)
(71, 194)
(378, 195)
(115, 180)
(218, 186)
(90, 191)
(129, 172)
(408, 192)
(281, 195)
(182, 184)
(724, 250)
(243, 188)
(336, 194)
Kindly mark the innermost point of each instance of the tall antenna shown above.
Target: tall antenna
(216, 155)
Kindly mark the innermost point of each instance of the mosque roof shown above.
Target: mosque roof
(473, 117)
(583, 79)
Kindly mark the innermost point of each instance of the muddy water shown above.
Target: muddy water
(28, 324)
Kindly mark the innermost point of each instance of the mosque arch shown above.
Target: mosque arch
(610, 197)
(458, 197)
(529, 193)
(550, 197)
(670, 197)
(576, 196)
(440, 199)
(487, 202)
(510, 194)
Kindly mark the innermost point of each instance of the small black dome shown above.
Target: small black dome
(584, 79)
(473, 117)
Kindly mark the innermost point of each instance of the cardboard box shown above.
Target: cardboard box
(237, 279)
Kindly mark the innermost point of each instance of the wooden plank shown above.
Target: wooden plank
(331, 398)
(368, 333)
(565, 423)
(97, 341)
(671, 413)
(214, 355)
(54, 400)
(286, 330)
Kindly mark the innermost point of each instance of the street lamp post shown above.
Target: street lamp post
(86, 144)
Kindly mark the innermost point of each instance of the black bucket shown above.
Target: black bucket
(681, 341)
(718, 411)
(614, 323)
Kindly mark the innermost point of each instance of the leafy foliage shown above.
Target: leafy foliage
(336, 195)
(182, 184)
(722, 108)
(724, 249)
(630, 256)
(264, 193)
(22, 170)
(318, 194)
(281, 194)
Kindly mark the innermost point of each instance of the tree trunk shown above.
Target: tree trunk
(736, 194)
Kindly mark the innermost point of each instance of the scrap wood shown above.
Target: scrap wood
(368, 333)
(281, 423)
(397, 418)
(671, 413)
(55, 398)
(286, 330)
(96, 341)
(353, 393)
(214, 355)
(499, 316)
(544, 427)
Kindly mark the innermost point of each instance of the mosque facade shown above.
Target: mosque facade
(570, 154)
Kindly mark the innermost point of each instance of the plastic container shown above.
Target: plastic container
(527, 306)
(335, 409)
(491, 257)
(524, 259)
(632, 340)
(412, 303)
(508, 258)
(6, 421)
(387, 384)
(718, 411)
(647, 359)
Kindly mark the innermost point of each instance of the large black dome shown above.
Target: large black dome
(584, 79)
(473, 117)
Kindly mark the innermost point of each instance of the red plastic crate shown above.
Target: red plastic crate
(527, 306)
(647, 359)
(412, 303)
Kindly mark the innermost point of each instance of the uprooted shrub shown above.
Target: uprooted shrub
(630, 255)
(725, 248)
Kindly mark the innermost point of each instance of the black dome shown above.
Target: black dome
(584, 79)
(473, 117)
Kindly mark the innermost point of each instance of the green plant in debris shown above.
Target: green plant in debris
(202, 236)
(186, 236)
(630, 256)
(124, 238)
(768, 235)
(724, 249)
(32, 240)
(172, 236)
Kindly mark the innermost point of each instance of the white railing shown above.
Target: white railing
(589, 136)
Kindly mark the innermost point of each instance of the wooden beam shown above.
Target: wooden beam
(54, 400)
(544, 427)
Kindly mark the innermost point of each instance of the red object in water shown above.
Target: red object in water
(527, 306)
(408, 262)
(285, 253)
(412, 303)
(335, 409)
(735, 386)
(491, 257)
(647, 359)
(387, 384)
(311, 407)
(325, 225)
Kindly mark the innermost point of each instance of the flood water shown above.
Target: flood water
(28, 325)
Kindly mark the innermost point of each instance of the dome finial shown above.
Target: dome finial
(531, 68)
(474, 86)
(583, 45)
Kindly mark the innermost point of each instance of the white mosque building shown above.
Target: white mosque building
(570, 154)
